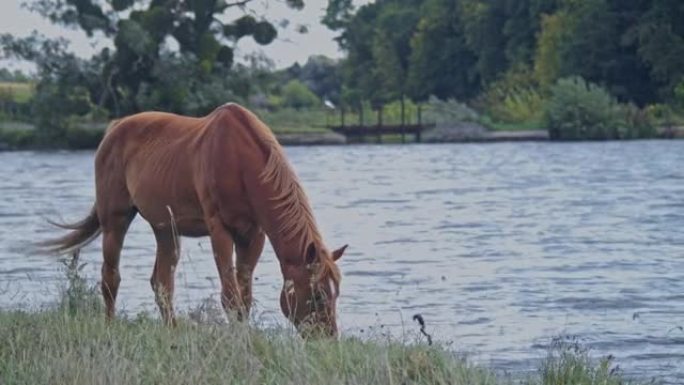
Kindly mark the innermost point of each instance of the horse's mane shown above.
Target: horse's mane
(296, 215)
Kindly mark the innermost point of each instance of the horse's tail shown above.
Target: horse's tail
(82, 233)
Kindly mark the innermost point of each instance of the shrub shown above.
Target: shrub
(581, 110)
(78, 296)
(18, 139)
(515, 98)
(569, 363)
(297, 95)
(448, 111)
(81, 138)
(636, 123)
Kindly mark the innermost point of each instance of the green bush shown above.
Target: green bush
(581, 110)
(297, 95)
(18, 139)
(448, 111)
(515, 98)
(569, 363)
(636, 123)
(81, 138)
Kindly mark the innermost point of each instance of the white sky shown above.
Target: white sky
(290, 47)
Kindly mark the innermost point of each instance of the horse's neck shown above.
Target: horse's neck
(287, 246)
(282, 207)
(288, 243)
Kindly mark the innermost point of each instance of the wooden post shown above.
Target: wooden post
(403, 119)
(420, 122)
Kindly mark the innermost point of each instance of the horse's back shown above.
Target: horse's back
(145, 127)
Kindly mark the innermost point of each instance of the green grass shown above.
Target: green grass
(72, 343)
(17, 92)
(61, 346)
(288, 120)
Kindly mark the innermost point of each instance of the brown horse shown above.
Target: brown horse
(223, 175)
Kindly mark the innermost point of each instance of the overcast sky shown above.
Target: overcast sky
(290, 46)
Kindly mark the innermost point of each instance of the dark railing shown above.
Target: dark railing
(362, 131)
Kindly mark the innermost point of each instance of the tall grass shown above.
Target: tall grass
(72, 343)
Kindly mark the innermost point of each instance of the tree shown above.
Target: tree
(140, 29)
(457, 48)
(441, 63)
(482, 22)
(63, 89)
(321, 75)
(658, 34)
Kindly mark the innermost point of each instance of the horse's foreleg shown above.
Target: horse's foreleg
(222, 246)
(247, 257)
(163, 276)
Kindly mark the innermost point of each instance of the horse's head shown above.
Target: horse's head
(309, 295)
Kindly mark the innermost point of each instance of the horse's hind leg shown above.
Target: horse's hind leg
(163, 276)
(114, 227)
(248, 254)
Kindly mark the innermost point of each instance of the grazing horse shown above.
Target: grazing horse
(223, 175)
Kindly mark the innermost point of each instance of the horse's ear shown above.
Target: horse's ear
(311, 253)
(337, 254)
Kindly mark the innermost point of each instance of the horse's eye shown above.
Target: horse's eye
(318, 297)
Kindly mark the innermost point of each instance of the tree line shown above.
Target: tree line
(494, 52)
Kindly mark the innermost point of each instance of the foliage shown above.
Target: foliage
(481, 21)
(16, 76)
(297, 95)
(568, 363)
(515, 98)
(458, 48)
(17, 138)
(78, 297)
(78, 137)
(581, 110)
(338, 14)
(441, 63)
(548, 61)
(320, 74)
(636, 123)
(448, 111)
(124, 79)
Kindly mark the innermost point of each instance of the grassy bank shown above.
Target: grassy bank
(56, 346)
(72, 343)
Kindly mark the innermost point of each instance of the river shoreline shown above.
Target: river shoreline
(458, 134)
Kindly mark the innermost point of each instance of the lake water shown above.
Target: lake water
(500, 247)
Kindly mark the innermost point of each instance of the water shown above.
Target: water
(500, 247)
